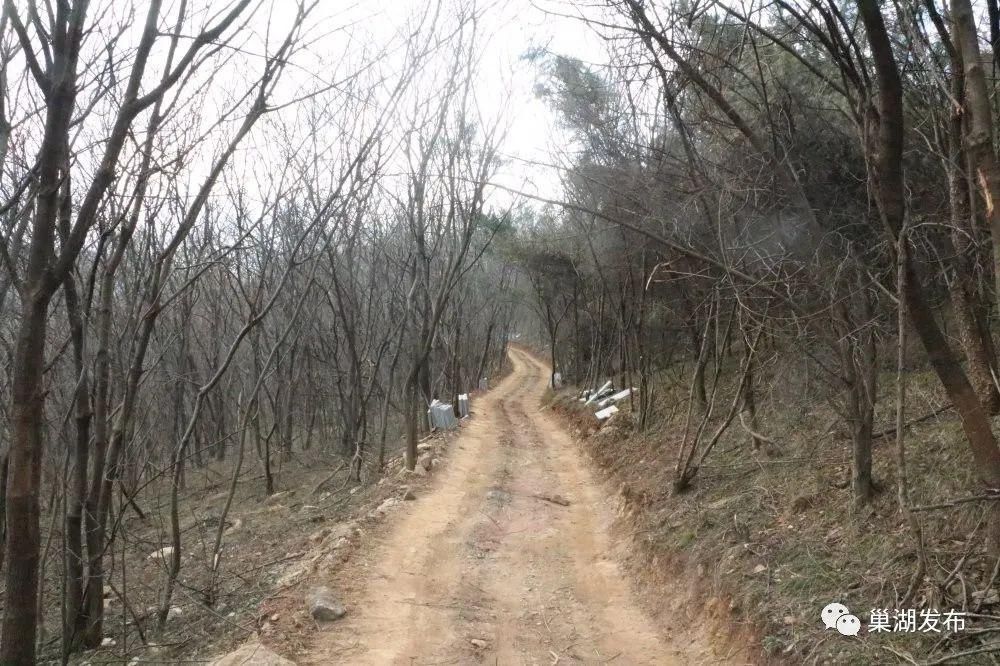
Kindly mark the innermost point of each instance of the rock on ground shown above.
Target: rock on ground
(252, 654)
(384, 508)
(161, 554)
(323, 605)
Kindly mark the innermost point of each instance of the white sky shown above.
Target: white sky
(512, 28)
(534, 134)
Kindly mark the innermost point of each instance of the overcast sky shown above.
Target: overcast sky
(534, 134)
(513, 28)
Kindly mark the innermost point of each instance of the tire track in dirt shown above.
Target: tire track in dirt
(484, 569)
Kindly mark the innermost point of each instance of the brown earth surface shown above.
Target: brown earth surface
(507, 558)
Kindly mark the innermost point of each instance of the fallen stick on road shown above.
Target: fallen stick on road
(555, 499)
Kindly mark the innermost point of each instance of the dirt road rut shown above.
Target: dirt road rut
(485, 569)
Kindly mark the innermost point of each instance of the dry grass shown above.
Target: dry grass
(269, 539)
(777, 537)
(264, 539)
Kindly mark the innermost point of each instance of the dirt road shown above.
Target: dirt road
(483, 569)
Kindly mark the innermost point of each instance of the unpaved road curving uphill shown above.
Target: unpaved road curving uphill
(484, 569)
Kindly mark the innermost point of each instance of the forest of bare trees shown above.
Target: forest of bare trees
(783, 208)
(748, 181)
(232, 233)
(219, 245)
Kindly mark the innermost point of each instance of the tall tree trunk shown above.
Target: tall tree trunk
(857, 350)
(411, 416)
(892, 206)
(77, 485)
(24, 539)
(976, 342)
(980, 136)
(993, 11)
(484, 357)
(20, 620)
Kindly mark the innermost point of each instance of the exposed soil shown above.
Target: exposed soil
(508, 558)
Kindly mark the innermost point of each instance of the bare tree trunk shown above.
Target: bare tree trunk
(20, 620)
(889, 180)
(980, 136)
(17, 645)
(749, 409)
(902, 483)
(976, 342)
(411, 415)
(77, 486)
